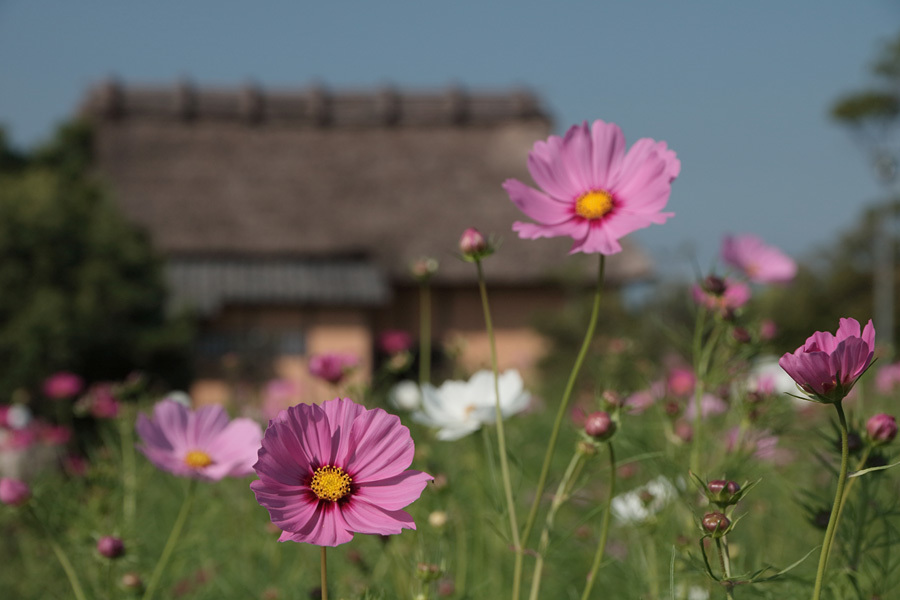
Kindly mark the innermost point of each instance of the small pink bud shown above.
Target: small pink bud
(472, 243)
(14, 492)
(599, 425)
(110, 546)
(423, 268)
(716, 523)
(882, 428)
(722, 492)
(714, 285)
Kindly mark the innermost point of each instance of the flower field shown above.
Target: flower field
(699, 461)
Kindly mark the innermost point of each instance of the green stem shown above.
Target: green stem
(849, 487)
(838, 495)
(324, 575)
(725, 563)
(424, 333)
(697, 350)
(604, 531)
(560, 497)
(61, 556)
(170, 543)
(564, 403)
(129, 477)
(501, 436)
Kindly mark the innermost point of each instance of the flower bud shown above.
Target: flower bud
(882, 428)
(110, 546)
(716, 523)
(14, 492)
(423, 268)
(714, 285)
(723, 492)
(599, 425)
(428, 571)
(472, 244)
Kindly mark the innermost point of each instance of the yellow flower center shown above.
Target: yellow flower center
(330, 483)
(594, 204)
(197, 459)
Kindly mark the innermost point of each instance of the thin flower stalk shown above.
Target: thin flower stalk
(702, 357)
(173, 539)
(62, 557)
(501, 437)
(725, 563)
(324, 575)
(424, 333)
(849, 487)
(564, 403)
(835, 510)
(129, 472)
(562, 494)
(604, 528)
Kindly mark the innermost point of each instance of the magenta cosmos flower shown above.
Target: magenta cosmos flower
(332, 366)
(592, 189)
(202, 445)
(827, 366)
(758, 261)
(329, 471)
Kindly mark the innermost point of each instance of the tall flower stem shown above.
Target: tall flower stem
(725, 563)
(849, 487)
(501, 436)
(170, 543)
(561, 496)
(129, 477)
(324, 575)
(835, 510)
(564, 403)
(424, 333)
(61, 556)
(604, 529)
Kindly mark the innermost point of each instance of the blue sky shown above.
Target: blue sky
(740, 91)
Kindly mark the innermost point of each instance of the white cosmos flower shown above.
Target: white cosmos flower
(642, 503)
(458, 408)
(405, 395)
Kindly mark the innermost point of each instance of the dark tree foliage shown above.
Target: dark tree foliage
(82, 289)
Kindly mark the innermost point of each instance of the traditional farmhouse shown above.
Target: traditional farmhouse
(290, 218)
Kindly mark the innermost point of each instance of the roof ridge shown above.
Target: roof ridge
(313, 105)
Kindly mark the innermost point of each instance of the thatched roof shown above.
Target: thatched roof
(311, 174)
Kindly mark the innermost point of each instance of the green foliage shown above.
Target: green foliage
(82, 288)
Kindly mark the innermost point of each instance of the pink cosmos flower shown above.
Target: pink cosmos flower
(758, 261)
(331, 470)
(62, 385)
(592, 189)
(681, 381)
(882, 428)
(710, 405)
(827, 366)
(200, 445)
(888, 378)
(394, 341)
(332, 366)
(14, 492)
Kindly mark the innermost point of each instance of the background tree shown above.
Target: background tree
(80, 288)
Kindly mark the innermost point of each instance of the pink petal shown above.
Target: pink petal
(236, 447)
(600, 238)
(326, 527)
(576, 157)
(552, 178)
(576, 228)
(850, 359)
(608, 153)
(537, 205)
(394, 492)
(363, 517)
(341, 414)
(204, 425)
(381, 447)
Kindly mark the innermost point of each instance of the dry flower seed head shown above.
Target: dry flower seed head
(714, 285)
(716, 523)
(599, 425)
(741, 335)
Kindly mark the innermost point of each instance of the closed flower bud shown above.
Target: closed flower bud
(714, 285)
(472, 244)
(599, 425)
(14, 492)
(741, 335)
(422, 269)
(716, 523)
(882, 428)
(110, 547)
(723, 492)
